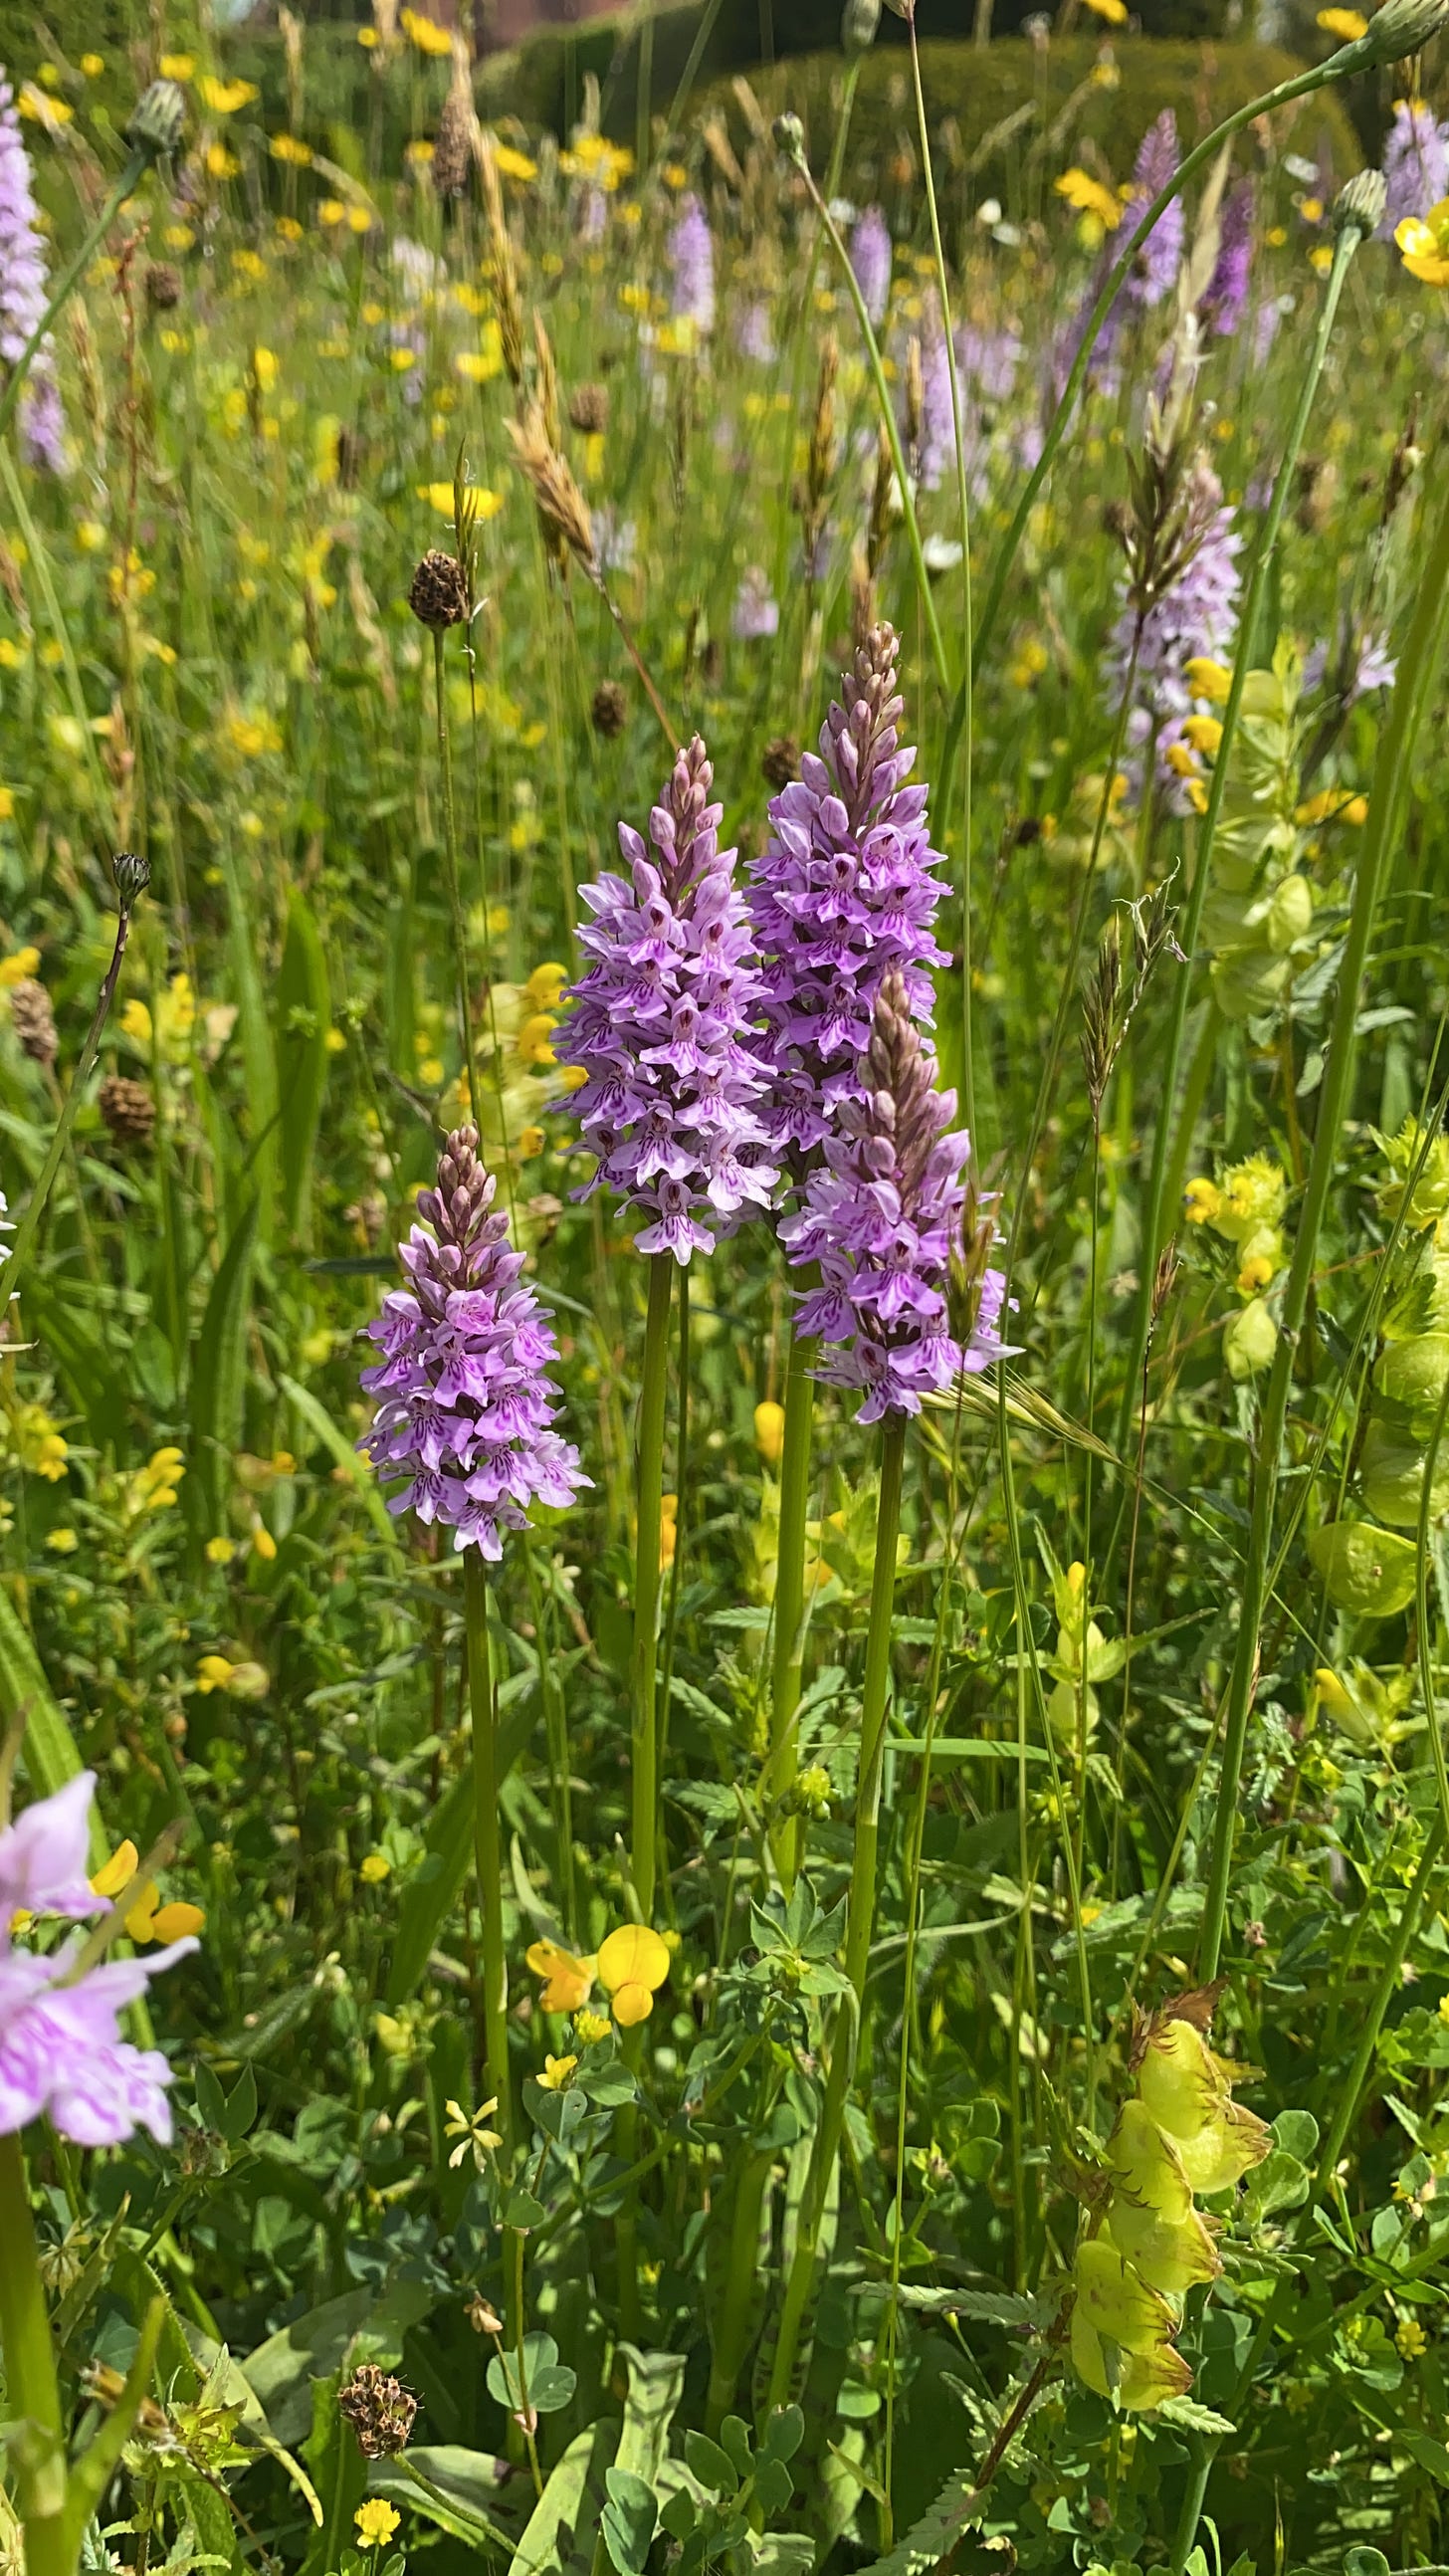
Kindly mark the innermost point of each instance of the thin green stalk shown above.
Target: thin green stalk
(789, 1640)
(963, 503)
(732, 2334)
(25, 1232)
(860, 1912)
(1152, 1208)
(38, 2458)
(886, 408)
(644, 1751)
(644, 1741)
(450, 869)
(487, 1842)
(681, 1503)
(1417, 665)
(1358, 56)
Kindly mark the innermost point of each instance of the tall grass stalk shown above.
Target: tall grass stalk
(1172, 1138)
(1417, 667)
(859, 1917)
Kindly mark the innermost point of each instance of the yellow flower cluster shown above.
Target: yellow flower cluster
(147, 1919)
(1181, 2134)
(153, 1487)
(517, 1071)
(631, 1966)
(1246, 1207)
(37, 1442)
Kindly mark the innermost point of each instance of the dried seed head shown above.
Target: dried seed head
(438, 596)
(453, 143)
(132, 876)
(380, 2411)
(351, 449)
(780, 761)
(128, 1109)
(610, 709)
(503, 271)
(33, 1020)
(589, 410)
(1101, 1010)
(163, 286)
(561, 505)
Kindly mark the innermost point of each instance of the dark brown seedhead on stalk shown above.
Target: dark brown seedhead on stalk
(589, 410)
(33, 1020)
(163, 286)
(453, 143)
(610, 709)
(1175, 497)
(438, 595)
(380, 2411)
(129, 1110)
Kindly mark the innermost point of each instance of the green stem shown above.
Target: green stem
(789, 1642)
(455, 899)
(650, 1488)
(1349, 58)
(860, 1911)
(30, 2377)
(135, 170)
(681, 1499)
(888, 420)
(487, 1845)
(1411, 689)
(963, 503)
(1152, 1226)
(25, 1232)
(733, 2332)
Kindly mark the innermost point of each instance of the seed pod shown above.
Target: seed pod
(438, 595)
(128, 1109)
(1186, 2090)
(132, 876)
(33, 1020)
(163, 286)
(157, 119)
(453, 143)
(610, 709)
(589, 410)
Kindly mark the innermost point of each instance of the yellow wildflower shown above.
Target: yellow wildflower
(63, 1542)
(146, 1920)
(1347, 24)
(39, 1446)
(511, 164)
(18, 968)
(375, 2522)
(474, 2136)
(213, 1672)
(224, 98)
(1424, 244)
(426, 33)
(1200, 1202)
(1409, 2336)
(1114, 11)
(374, 1869)
(290, 147)
(591, 2027)
(93, 65)
(770, 1432)
(1208, 679)
(1089, 197)
(1203, 732)
(556, 2073)
(177, 67)
(220, 1551)
(633, 1964)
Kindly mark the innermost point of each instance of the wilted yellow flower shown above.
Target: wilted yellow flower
(568, 1981)
(632, 1965)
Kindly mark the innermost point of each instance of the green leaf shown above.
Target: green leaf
(342, 1454)
(707, 2462)
(218, 1367)
(558, 2539)
(255, 1026)
(656, 2384)
(467, 2484)
(1296, 2132)
(303, 1011)
(339, 2474)
(432, 1888)
(628, 2521)
(51, 1756)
